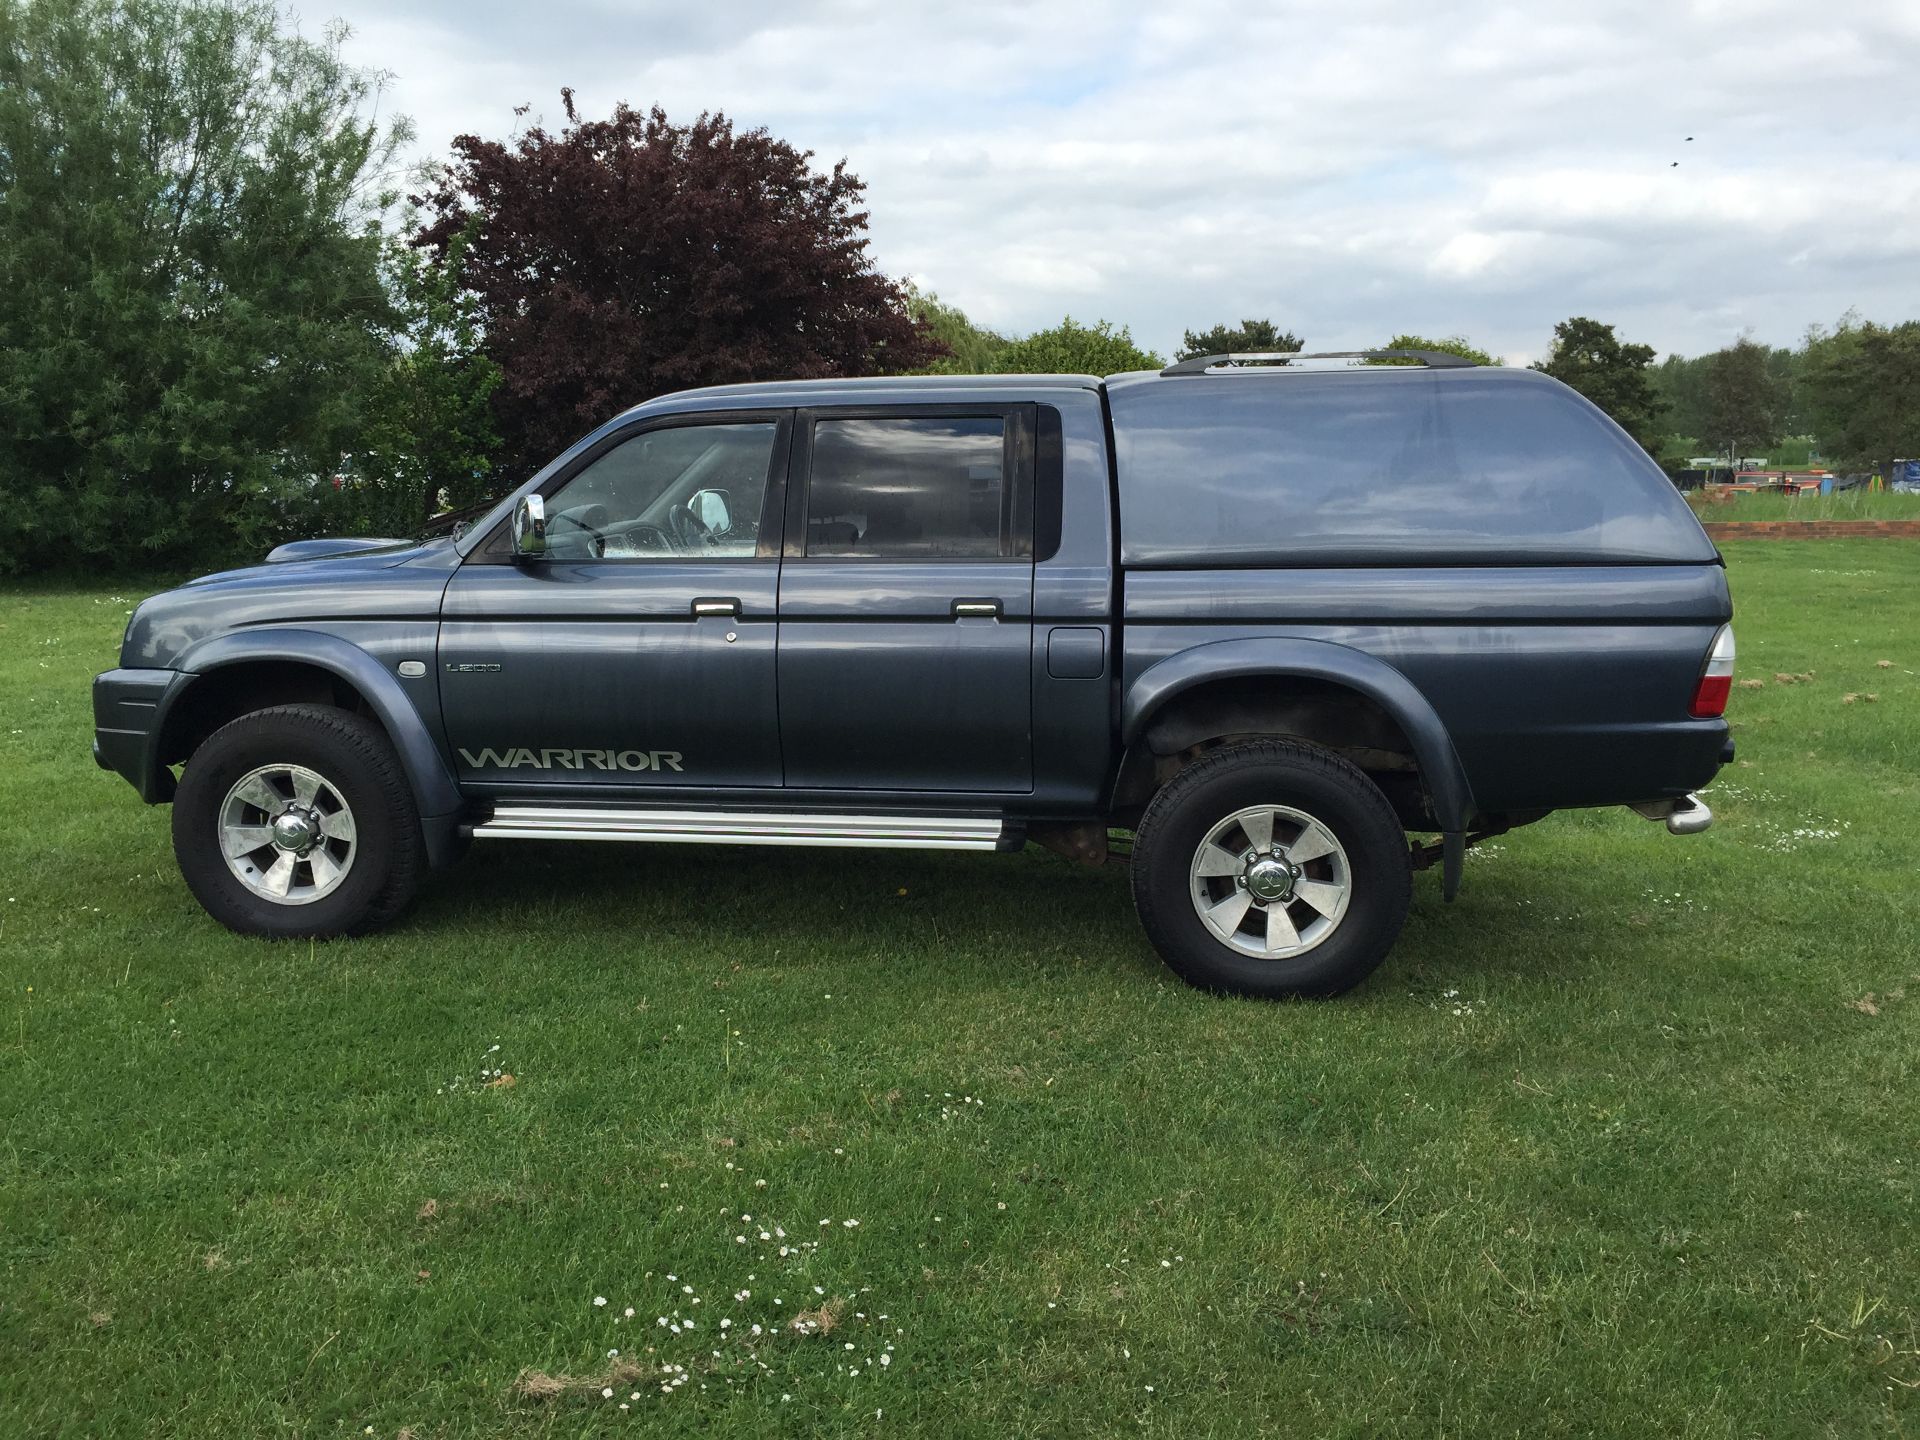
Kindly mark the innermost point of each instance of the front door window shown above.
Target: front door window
(691, 492)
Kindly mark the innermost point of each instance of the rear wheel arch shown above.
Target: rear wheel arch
(1340, 699)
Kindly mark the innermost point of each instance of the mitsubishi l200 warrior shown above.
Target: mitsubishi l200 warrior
(1269, 614)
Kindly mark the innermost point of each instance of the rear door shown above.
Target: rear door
(906, 600)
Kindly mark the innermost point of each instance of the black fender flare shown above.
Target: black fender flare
(1290, 656)
(434, 790)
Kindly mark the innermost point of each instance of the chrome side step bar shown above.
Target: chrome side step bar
(747, 827)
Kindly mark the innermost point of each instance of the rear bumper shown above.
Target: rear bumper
(1578, 766)
(127, 707)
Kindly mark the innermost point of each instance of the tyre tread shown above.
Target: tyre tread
(1196, 962)
(368, 743)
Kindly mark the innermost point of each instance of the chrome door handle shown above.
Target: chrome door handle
(727, 606)
(987, 608)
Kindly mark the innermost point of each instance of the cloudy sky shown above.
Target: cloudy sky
(1347, 169)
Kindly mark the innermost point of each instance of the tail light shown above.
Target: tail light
(1716, 680)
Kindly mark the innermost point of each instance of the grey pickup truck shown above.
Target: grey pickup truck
(1272, 614)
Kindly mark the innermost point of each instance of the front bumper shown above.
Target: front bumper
(127, 709)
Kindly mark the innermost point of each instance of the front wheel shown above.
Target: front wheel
(297, 821)
(1271, 868)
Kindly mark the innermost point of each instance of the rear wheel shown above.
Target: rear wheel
(1271, 868)
(297, 821)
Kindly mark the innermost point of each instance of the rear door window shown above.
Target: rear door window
(910, 487)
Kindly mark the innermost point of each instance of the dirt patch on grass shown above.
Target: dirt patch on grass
(1871, 1004)
(820, 1320)
(539, 1385)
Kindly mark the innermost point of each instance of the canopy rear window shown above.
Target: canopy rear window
(1386, 466)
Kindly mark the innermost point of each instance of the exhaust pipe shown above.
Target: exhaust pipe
(1688, 815)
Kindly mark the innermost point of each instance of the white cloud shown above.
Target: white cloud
(1349, 170)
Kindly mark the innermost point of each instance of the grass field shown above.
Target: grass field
(1623, 1142)
(1848, 505)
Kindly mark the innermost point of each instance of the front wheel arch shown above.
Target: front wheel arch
(384, 700)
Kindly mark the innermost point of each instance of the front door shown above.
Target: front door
(638, 652)
(906, 600)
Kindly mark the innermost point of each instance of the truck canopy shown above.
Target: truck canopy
(1385, 465)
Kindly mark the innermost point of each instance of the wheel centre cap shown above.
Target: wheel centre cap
(1269, 879)
(295, 830)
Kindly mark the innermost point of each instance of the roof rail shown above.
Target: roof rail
(1202, 364)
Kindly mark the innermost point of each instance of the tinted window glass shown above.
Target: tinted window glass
(911, 486)
(1456, 466)
(685, 491)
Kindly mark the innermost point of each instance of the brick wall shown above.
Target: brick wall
(1812, 529)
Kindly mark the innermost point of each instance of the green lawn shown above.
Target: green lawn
(1623, 1142)
(1775, 505)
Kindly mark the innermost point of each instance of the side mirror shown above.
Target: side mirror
(530, 526)
(710, 509)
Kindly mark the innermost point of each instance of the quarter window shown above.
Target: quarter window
(680, 492)
(913, 487)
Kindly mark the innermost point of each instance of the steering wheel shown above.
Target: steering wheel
(595, 534)
(688, 528)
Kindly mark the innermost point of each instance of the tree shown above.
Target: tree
(1680, 381)
(1452, 345)
(971, 349)
(1683, 384)
(1612, 374)
(1071, 348)
(1743, 400)
(1248, 337)
(1861, 383)
(625, 257)
(430, 438)
(190, 295)
(1784, 365)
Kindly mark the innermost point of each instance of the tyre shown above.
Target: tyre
(297, 821)
(1271, 868)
